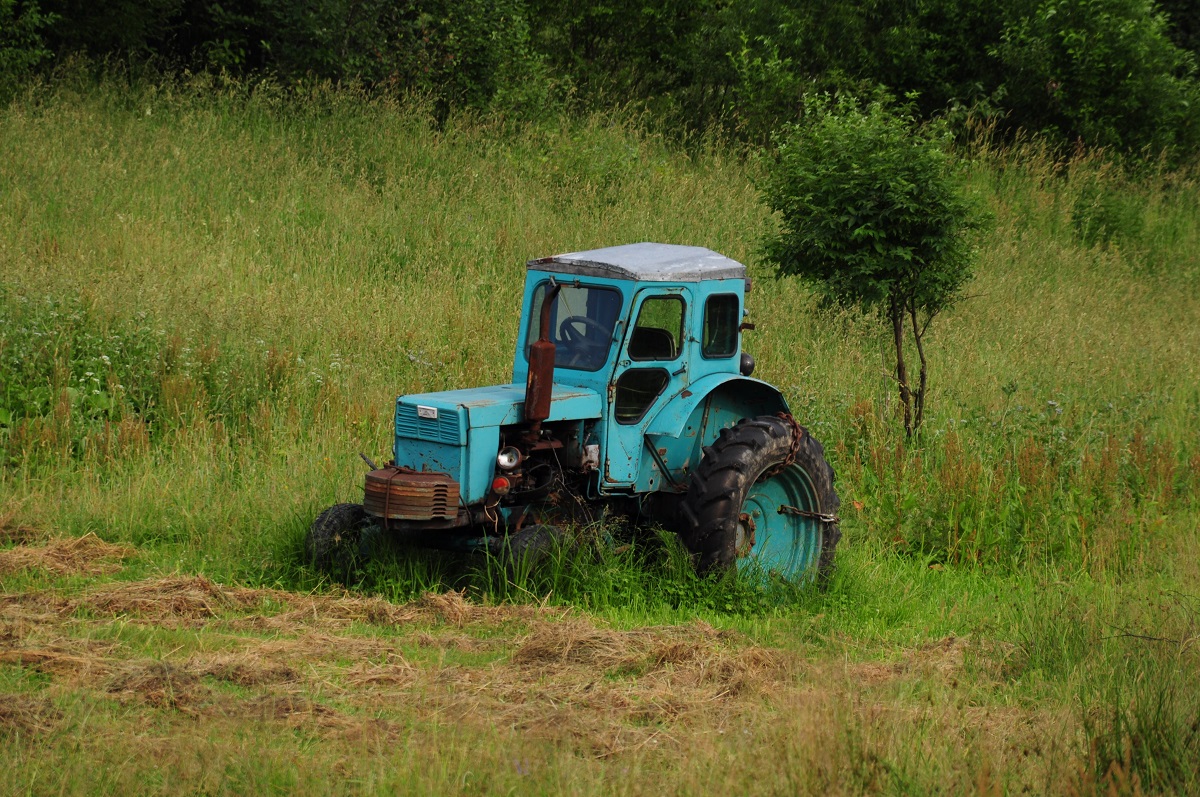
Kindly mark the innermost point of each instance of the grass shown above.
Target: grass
(212, 293)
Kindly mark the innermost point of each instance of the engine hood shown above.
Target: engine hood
(499, 405)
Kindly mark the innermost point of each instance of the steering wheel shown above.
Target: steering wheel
(569, 333)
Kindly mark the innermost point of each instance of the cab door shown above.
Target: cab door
(651, 366)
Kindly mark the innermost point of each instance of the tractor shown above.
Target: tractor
(631, 397)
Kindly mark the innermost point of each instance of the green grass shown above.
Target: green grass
(212, 293)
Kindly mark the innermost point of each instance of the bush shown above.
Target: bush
(1103, 72)
(21, 45)
(872, 214)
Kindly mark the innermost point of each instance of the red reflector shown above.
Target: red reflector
(501, 485)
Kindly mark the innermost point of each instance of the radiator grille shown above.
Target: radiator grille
(443, 429)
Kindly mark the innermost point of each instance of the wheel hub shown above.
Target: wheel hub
(783, 543)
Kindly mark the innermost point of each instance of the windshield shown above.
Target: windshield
(581, 324)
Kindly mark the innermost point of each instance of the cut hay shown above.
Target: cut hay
(157, 683)
(186, 597)
(72, 660)
(244, 669)
(86, 554)
(22, 715)
(197, 598)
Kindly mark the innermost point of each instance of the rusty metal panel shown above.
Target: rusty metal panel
(403, 494)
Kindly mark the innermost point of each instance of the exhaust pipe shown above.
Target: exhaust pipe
(540, 384)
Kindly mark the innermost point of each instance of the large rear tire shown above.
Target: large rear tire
(741, 507)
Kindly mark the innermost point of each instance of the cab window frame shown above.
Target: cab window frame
(532, 327)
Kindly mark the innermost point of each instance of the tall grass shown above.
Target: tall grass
(213, 292)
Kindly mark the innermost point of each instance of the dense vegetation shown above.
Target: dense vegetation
(1111, 73)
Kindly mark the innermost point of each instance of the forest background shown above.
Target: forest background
(1097, 73)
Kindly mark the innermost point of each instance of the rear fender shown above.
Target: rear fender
(688, 422)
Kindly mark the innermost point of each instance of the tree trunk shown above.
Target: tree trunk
(920, 395)
(896, 311)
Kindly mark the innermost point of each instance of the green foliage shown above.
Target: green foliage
(70, 382)
(869, 208)
(22, 46)
(1113, 73)
(871, 213)
(473, 53)
(1103, 72)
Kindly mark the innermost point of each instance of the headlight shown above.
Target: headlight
(508, 458)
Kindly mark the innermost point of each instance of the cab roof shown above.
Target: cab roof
(648, 262)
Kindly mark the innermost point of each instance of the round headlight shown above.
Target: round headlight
(508, 458)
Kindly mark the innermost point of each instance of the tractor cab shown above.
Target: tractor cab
(639, 325)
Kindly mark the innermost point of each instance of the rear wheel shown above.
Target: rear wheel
(747, 503)
(338, 539)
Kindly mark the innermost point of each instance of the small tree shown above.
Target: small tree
(870, 212)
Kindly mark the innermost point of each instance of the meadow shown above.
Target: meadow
(211, 294)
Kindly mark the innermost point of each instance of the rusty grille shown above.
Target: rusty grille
(403, 494)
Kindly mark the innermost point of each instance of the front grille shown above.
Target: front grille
(402, 494)
(443, 429)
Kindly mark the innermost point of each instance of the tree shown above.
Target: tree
(1104, 72)
(21, 42)
(871, 213)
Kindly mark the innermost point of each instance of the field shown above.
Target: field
(211, 295)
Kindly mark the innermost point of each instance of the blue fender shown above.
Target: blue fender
(693, 418)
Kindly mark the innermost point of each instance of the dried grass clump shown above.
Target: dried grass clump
(395, 672)
(86, 554)
(73, 660)
(157, 683)
(609, 691)
(186, 597)
(695, 655)
(579, 642)
(244, 669)
(25, 714)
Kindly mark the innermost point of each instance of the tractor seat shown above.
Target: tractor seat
(651, 343)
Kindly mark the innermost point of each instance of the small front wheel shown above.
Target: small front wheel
(763, 493)
(335, 541)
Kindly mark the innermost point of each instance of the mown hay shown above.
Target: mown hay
(161, 684)
(72, 660)
(26, 714)
(86, 554)
(186, 597)
(243, 669)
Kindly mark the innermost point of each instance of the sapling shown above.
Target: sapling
(870, 211)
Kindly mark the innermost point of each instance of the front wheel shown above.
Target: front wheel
(763, 494)
(337, 540)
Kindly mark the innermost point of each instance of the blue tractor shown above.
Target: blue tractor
(630, 396)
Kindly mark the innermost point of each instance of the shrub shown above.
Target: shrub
(1100, 71)
(21, 45)
(870, 211)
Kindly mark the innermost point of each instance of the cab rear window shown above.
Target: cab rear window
(722, 318)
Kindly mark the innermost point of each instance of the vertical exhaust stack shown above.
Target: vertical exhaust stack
(540, 384)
